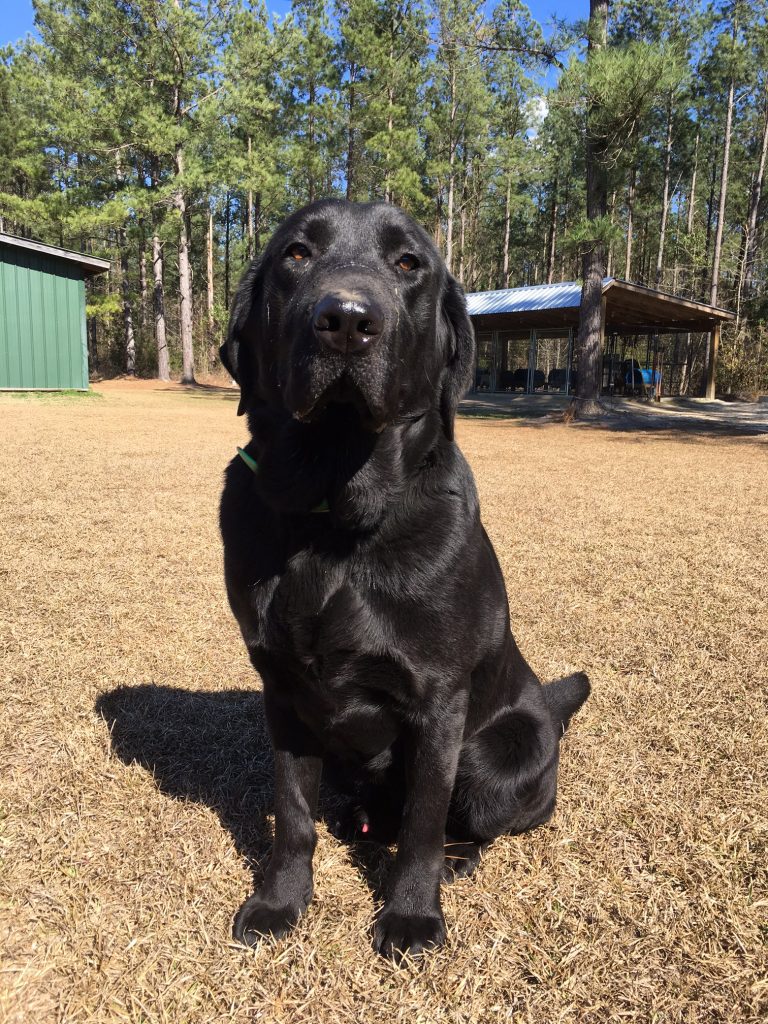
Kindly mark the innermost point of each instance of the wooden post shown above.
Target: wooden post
(529, 388)
(569, 362)
(714, 345)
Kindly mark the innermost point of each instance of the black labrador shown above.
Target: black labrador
(367, 591)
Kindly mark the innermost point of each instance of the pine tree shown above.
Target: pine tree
(382, 50)
(313, 79)
(457, 124)
(155, 129)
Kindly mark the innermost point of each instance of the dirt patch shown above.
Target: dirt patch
(135, 775)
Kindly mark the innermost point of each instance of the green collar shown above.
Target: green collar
(253, 465)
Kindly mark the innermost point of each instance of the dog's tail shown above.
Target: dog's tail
(565, 696)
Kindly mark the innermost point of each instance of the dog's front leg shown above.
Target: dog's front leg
(287, 886)
(412, 920)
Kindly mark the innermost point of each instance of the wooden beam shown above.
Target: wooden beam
(656, 299)
(626, 327)
(617, 321)
(714, 345)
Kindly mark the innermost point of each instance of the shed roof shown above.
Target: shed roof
(89, 264)
(630, 308)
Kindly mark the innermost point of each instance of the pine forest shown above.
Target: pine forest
(171, 136)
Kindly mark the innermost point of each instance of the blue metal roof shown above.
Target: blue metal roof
(533, 297)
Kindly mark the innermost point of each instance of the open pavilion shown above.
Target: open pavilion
(525, 337)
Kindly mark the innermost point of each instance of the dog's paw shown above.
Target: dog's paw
(257, 919)
(396, 934)
(461, 859)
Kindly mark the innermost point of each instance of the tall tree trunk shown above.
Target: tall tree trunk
(554, 210)
(311, 143)
(689, 222)
(389, 195)
(750, 243)
(125, 291)
(609, 258)
(710, 217)
(462, 233)
(93, 339)
(158, 302)
(451, 183)
(351, 135)
(692, 193)
(676, 265)
(143, 278)
(438, 229)
(507, 230)
(449, 225)
(130, 337)
(591, 309)
(256, 222)
(227, 222)
(723, 195)
(250, 224)
(645, 249)
(185, 274)
(665, 196)
(742, 268)
(471, 271)
(715, 334)
(388, 190)
(158, 289)
(179, 200)
(630, 223)
(566, 200)
(209, 269)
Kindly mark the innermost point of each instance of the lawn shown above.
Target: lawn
(135, 779)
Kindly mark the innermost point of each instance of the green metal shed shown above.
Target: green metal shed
(43, 344)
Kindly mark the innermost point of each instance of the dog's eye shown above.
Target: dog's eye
(407, 261)
(297, 251)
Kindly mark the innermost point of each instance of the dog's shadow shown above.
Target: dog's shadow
(213, 748)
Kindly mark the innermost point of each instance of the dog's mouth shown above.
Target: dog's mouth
(343, 392)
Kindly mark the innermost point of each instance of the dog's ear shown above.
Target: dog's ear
(460, 349)
(237, 353)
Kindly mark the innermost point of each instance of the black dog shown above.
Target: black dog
(367, 591)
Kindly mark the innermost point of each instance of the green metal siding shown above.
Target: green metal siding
(42, 322)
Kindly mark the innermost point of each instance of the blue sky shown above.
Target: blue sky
(18, 19)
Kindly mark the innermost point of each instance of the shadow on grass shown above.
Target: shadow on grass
(213, 748)
(502, 414)
(638, 422)
(203, 391)
(641, 427)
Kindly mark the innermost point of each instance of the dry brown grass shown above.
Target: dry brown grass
(640, 558)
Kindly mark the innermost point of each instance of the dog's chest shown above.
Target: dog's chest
(350, 675)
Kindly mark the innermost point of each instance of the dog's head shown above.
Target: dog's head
(350, 304)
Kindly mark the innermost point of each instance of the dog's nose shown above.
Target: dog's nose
(347, 323)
